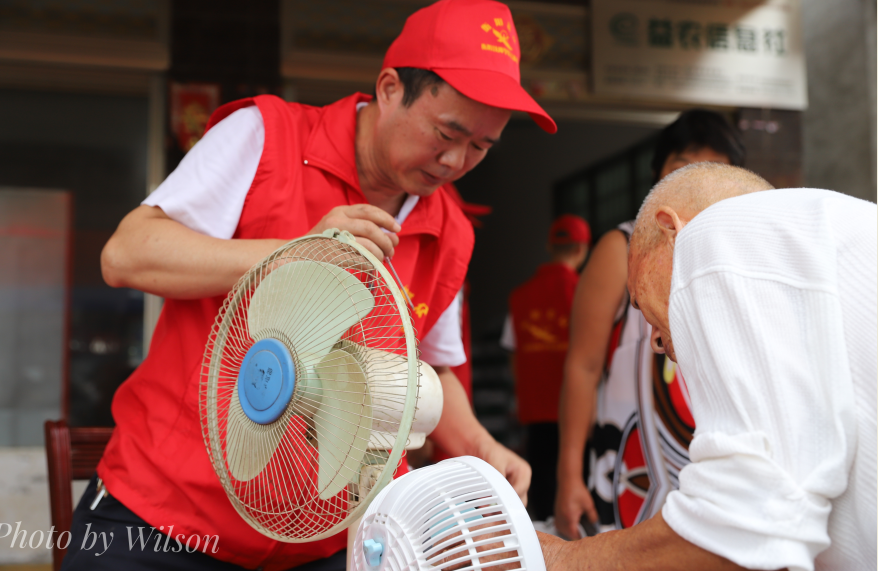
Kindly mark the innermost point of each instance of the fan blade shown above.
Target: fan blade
(311, 303)
(249, 445)
(343, 421)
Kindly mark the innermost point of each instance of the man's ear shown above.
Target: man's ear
(388, 88)
(669, 223)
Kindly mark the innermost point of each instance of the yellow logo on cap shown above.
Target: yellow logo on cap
(504, 37)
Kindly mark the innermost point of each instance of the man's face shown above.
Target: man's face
(691, 155)
(649, 273)
(438, 139)
(649, 288)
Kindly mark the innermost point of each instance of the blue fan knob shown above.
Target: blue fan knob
(373, 549)
(266, 381)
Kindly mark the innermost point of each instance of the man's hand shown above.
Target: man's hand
(460, 434)
(366, 223)
(513, 467)
(572, 501)
(153, 253)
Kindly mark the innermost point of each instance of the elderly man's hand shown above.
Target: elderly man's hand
(552, 547)
(648, 545)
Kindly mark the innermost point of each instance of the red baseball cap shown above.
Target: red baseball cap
(472, 45)
(569, 229)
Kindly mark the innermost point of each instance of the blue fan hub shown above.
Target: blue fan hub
(266, 381)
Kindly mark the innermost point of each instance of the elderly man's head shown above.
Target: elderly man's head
(671, 204)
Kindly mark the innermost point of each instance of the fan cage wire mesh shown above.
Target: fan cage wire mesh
(448, 516)
(282, 500)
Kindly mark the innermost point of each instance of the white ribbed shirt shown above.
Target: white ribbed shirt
(773, 318)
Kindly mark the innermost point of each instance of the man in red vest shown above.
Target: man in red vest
(537, 331)
(267, 172)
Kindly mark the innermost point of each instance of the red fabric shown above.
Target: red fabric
(540, 311)
(679, 398)
(569, 229)
(633, 489)
(472, 210)
(473, 45)
(156, 463)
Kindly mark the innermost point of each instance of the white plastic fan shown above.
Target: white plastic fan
(460, 514)
(310, 385)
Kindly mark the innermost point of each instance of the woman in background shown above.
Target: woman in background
(630, 402)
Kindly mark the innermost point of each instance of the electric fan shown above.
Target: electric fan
(459, 514)
(310, 385)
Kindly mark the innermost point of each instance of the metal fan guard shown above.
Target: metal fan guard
(287, 525)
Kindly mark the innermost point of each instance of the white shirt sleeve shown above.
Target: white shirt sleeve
(443, 345)
(507, 338)
(767, 370)
(206, 191)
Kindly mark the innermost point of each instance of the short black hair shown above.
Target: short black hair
(414, 82)
(698, 129)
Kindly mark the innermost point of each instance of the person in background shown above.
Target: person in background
(536, 330)
(632, 403)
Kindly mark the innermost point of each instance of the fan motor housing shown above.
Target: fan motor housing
(266, 381)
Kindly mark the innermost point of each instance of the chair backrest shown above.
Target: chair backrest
(71, 454)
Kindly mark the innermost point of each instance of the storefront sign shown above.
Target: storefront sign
(716, 52)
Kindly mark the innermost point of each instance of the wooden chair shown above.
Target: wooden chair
(72, 454)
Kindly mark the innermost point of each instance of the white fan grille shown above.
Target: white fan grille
(457, 515)
(282, 499)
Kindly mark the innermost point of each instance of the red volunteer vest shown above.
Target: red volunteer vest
(540, 317)
(156, 463)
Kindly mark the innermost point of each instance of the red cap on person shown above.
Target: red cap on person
(569, 229)
(473, 46)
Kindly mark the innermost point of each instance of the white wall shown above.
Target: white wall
(839, 125)
(24, 497)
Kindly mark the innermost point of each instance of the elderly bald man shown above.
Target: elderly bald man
(767, 301)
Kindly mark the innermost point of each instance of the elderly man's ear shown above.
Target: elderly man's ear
(669, 223)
